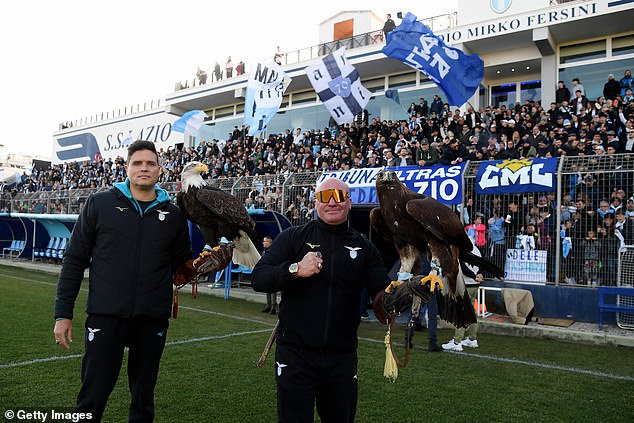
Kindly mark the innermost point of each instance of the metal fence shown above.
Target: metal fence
(552, 237)
(49, 202)
(626, 279)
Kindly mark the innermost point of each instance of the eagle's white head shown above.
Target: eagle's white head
(190, 177)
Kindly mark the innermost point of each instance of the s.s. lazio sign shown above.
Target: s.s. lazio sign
(107, 140)
(512, 176)
(444, 183)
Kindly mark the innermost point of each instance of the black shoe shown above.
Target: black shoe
(434, 348)
(273, 311)
(266, 310)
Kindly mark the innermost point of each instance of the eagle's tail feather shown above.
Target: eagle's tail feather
(456, 310)
(245, 252)
(482, 263)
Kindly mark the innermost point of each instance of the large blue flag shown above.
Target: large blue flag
(456, 73)
(265, 90)
(190, 122)
(338, 85)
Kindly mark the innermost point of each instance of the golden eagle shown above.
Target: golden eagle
(418, 224)
(218, 214)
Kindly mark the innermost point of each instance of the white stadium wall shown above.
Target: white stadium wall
(109, 139)
(473, 11)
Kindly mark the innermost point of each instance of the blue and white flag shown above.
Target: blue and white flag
(456, 73)
(338, 85)
(265, 90)
(393, 94)
(190, 122)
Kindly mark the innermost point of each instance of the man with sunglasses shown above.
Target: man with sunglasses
(321, 269)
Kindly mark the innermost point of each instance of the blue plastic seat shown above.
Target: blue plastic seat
(49, 251)
(40, 252)
(59, 252)
(15, 249)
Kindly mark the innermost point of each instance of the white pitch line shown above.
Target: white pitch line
(376, 341)
(215, 313)
(480, 356)
(39, 360)
(209, 338)
(532, 364)
(167, 344)
(181, 307)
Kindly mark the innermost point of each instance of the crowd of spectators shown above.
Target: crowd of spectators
(432, 134)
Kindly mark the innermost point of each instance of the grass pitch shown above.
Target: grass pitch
(208, 373)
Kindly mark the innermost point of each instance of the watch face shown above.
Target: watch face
(293, 268)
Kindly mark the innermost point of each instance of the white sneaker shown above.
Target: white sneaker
(471, 343)
(452, 346)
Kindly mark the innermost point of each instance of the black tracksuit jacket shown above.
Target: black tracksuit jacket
(321, 312)
(132, 256)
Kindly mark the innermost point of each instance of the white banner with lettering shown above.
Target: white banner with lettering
(526, 265)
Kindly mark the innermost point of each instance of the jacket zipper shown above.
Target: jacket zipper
(137, 254)
(330, 283)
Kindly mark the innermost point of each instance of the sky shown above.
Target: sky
(68, 59)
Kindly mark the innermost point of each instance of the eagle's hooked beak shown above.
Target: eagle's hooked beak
(202, 168)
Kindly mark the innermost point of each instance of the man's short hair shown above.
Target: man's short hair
(141, 145)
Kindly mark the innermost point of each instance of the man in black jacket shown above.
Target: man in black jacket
(133, 238)
(612, 88)
(321, 269)
(389, 25)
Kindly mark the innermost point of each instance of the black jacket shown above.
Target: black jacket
(611, 89)
(321, 313)
(132, 256)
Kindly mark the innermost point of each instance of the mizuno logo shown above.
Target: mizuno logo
(121, 208)
(313, 246)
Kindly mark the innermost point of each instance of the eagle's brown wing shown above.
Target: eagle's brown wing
(378, 223)
(180, 201)
(445, 225)
(226, 207)
(440, 220)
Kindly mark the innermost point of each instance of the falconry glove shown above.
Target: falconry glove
(209, 260)
(398, 297)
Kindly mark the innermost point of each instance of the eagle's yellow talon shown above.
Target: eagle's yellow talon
(216, 248)
(433, 280)
(201, 256)
(390, 288)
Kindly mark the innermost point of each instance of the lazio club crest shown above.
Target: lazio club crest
(500, 6)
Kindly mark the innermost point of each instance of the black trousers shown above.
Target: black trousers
(305, 377)
(106, 338)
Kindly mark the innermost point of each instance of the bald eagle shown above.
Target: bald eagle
(418, 224)
(218, 214)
